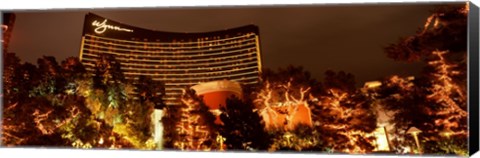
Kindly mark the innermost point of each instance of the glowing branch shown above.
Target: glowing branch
(286, 104)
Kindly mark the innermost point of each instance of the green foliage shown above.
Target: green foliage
(302, 138)
(59, 105)
(457, 146)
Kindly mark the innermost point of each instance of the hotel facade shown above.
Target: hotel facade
(179, 60)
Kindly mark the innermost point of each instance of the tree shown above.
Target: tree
(109, 81)
(405, 97)
(295, 74)
(342, 80)
(193, 127)
(51, 79)
(150, 90)
(11, 63)
(445, 29)
(72, 68)
(439, 94)
(57, 105)
(243, 128)
(283, 93)
(340, 117)
(344, 115)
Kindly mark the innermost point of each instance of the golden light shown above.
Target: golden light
(443, 91)
(100, 141)
(446, 133)
(288, 137)
(38, 121)
(373, 84)
(195, 133)
(466, 9)
(382, 139)
(103, 26)
(286, 109)
(220, 140)
(414, 132)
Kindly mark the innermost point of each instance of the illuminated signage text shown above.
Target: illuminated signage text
(103, 26)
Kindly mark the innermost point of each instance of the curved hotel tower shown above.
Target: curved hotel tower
(177, 59)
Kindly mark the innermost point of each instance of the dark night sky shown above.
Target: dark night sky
(346, 37)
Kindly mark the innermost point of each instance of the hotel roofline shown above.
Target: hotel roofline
(142, 33)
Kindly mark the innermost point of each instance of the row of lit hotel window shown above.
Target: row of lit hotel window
(177, 70)
(167, 74)
(133, 55)
(172, 49)
(193, 70)
(162, 54)
(133, 42)
(186, 77)
(183, 66)
(114, 42)
(175, 85)
(174, 61)
(173, 44)
(187, 40)
(194, 74)
(168, 54)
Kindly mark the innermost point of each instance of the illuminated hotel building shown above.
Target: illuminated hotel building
(8, 20)
(179, 60)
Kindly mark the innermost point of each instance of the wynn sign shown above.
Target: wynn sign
(103, 26)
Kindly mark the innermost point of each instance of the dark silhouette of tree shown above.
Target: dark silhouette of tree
(26, 78)
(445, 29)
(170, 118)
(18, 128)
(295, 74)
(150, 90)
(11, 64)
(51, 79)
(72, 68)
(340, 80)
(243, 128)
